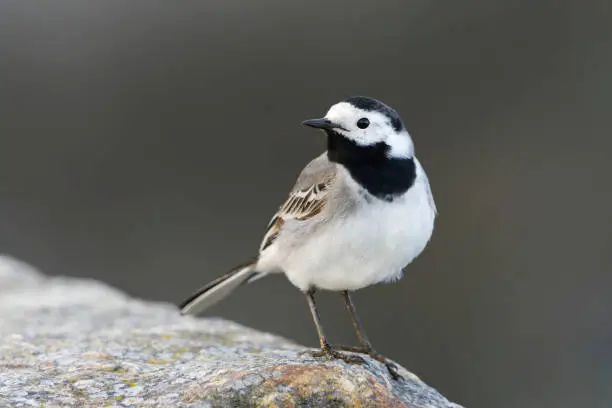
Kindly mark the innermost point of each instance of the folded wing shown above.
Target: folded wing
(301, 205)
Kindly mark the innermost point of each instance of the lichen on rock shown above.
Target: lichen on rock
(79, 343)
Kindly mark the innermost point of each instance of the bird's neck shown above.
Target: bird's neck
(370, 166)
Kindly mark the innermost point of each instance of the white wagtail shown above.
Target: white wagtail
(357, 215)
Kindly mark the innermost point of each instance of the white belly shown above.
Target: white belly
(372, 245)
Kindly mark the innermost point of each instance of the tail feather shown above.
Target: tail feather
(218, 289)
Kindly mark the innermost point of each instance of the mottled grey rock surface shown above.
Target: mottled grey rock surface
(79, 343)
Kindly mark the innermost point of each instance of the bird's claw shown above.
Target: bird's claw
(391, 367)
(332, 354)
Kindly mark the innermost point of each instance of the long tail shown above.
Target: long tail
(218, 289)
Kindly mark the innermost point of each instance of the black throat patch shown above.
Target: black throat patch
(383, 177)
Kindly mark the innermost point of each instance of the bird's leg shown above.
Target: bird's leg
(326, 349)
(361, 334)
(366, 346)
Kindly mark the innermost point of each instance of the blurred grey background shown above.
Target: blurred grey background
(147, 143)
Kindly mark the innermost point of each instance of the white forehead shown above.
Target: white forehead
(344, 110)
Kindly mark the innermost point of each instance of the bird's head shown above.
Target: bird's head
(364, 128)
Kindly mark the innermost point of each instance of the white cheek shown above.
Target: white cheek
(401, 145)
(375, 134)
(365, 137)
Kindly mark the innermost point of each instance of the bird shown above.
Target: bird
(358, 214)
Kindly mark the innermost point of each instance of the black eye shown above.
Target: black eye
(363, 123)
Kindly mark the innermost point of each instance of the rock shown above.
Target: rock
(79, 343)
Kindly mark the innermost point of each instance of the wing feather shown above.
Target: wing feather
(301, 205)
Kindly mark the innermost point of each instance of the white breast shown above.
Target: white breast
(371, 244)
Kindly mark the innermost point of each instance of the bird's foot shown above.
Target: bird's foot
(369, 351)
(331, 354)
